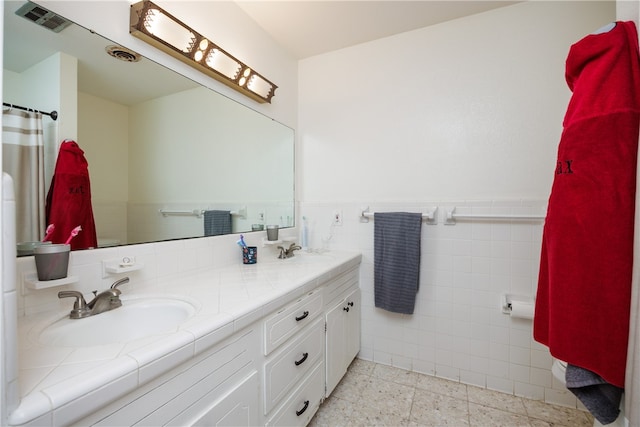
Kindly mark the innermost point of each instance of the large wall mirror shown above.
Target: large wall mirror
(161, 148)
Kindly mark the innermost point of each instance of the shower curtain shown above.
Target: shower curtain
(23, 159)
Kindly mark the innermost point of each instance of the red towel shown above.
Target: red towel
(584, 286)
(69, 198)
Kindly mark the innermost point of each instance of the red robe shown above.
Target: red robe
(584, 286)
(69, 198)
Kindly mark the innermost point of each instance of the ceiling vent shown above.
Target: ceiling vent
(43, 17)
(122, 53)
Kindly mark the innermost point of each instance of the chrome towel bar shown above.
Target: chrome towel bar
(430, 217)
(450, 216)
(242, 213)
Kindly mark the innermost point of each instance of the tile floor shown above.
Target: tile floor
(371, 394)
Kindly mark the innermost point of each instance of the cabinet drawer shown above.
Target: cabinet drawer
(303, 403)
(292, 318)
(336, 287)
(292, 363)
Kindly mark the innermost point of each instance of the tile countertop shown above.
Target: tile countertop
(56, 381)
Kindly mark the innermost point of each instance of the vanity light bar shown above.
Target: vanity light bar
(155, 26)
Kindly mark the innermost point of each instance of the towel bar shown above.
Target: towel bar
(195, 212)
(451, 216)
(430, 216)
(242, 213)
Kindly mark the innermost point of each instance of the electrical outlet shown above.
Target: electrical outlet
(337, 217)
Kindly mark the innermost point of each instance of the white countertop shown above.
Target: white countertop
(54, 379)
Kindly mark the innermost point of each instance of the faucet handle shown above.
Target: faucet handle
(80, 301)
(80, 308)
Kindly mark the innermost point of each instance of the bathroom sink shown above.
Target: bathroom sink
(137, 318)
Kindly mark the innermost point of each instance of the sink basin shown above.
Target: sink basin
(137, 318)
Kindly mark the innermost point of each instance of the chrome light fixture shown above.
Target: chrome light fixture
(160, 29)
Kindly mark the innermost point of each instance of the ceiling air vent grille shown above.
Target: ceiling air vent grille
(43, 17)
(122, 53)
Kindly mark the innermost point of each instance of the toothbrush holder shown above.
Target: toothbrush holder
(272, 233)
(250, 255)
(52, 261)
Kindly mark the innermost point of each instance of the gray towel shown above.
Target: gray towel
(396, 260)
(598, 396)
(217, 223)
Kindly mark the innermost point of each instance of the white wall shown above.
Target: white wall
(103, 128)
(49, 85)
(471, 108)
(235, 147)
(468, 114)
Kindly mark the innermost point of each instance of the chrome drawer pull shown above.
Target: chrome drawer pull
(304, 315)
(301, 411)
(301, 361)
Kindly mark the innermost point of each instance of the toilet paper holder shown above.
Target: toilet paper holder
(507, 302)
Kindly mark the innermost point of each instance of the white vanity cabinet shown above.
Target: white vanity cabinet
(293, 392)
(342, 328)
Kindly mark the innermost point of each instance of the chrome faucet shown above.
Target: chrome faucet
(103, 301)
(288, 253)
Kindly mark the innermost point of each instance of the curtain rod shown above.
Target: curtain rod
(53, 114)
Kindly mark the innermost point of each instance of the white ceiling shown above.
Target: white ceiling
(306, 28)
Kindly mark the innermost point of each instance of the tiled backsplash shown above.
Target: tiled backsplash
(159, 260)
(458, 330)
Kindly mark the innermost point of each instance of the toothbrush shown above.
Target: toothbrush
(241, 242)
(73, 234)
(48, 232)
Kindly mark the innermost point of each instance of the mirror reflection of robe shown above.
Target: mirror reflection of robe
(69, 198)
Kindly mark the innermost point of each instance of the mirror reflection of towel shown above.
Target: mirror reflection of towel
(68, 202)
(217, 222)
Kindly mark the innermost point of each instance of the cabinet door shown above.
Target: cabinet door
(343, 338)
(238, 408)
(353, 326)
(336, 338)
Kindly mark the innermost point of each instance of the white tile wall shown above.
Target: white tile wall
(457, 330)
